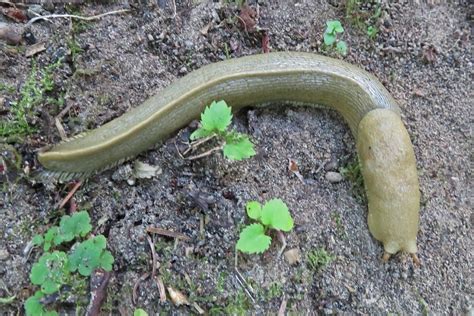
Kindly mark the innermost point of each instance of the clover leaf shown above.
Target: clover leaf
(74, 226)
(33, 306)
(50, 272)
(90, 255)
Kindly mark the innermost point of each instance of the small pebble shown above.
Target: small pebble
(183, 70)
(4, 254)
(333, 177)
(331, 165)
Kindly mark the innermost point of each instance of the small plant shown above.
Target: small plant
(353, 173)
(333, 28)
(364, 15)
(273, 215)
(215, 121)
(33, 93)
(318, 259)
(57, 268)
(140, 312)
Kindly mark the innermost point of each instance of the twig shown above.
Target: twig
(72, 16)
(198, 143)
(70, 194)
(153, 256)
(206, 153)
(99, 281)
(282, 239)
(161, 289)
(165, 232)
(60, 128)
(243, 283)
(135, 287)
(282, 309)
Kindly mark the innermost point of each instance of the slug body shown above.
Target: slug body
(300, 78)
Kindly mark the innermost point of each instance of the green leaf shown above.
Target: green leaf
(341, 47)
(254, 209)
(33, 306)
(79, 224)
(51, 271)
(239, 149)
(329, 39)
(90, 255)
(334, 26)
(253, 239)
(37, 240)
(275, 214)
(140, 312)
(106, 260)
(200, 133)
(50, 236)
(216, 117)
(372, 31)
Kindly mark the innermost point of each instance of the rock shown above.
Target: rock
(4, 254)
(293, 256)
(333, 177)
(331, 165)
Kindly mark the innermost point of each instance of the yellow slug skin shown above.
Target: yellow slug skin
(389, 170)
(372, 114)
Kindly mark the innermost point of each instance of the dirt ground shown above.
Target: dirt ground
(422, 54)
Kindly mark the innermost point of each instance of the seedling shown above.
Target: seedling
(331, 40)
(363, 16)
(39, 84)
(273, 215)
(318, 259)
(57, 268)
(215, 122)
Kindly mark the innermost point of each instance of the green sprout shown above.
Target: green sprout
(273, 215)
(57, 268)
(333, 28)
(318, 259)
(215, 122)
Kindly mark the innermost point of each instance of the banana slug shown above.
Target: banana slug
(384, 147)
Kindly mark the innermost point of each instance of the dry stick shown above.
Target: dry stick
(135, 287)
(282, 309)
(165, 232)
(282, 239)
(99, 281)
(70, 194)
(207, 153)
(86, 18)
(197, 143)
(153, 256)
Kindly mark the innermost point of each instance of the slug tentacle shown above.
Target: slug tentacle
(302, 78)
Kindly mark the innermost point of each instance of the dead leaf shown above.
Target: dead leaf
(293, 256)
(429, 54)
(143, 170)
(293, 167)
(206, 28)
(15, 14)
(248, 18)
(177, 297)
(35, 49)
